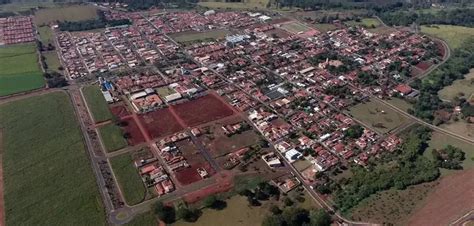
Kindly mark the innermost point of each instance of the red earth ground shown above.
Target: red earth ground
(451, 199)
(119, 111)
(195, 159)
(160, 123)
(204, 109)
(223, 184)
(424, 65)
(136, 136)
(441, 48)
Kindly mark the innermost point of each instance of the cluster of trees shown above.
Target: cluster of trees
(461, 16)
(297, 217)
(354, 131)
(378, 6)
(455, 68)
(55, 80)
(449, 158)
(410, 168)
(262, 192)
(84, 25)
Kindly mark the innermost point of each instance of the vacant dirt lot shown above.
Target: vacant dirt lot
(204, 109)
(136, 135)
(160, 123)
(195, 159)
(451, 199)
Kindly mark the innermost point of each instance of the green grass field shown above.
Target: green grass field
(130, 182)
(378, 116)
(459, 88)
(439, 141)
(46, 35)
(112, 137)
(23, 6)
(97, 105)
(365, 22)
(47, 176)
(68, 13)
(19, 69)
(325, 27)
(52, 60)
(453, 35)
(400, 103)
(186, 37)
(144, 219)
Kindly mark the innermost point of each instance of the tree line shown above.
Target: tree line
(134, 5)
(461, 16)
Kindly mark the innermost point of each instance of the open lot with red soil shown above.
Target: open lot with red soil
(204, 109)
(136, 135)
(119, 110)
(160, 123)
(441, 48)
(224, 183)
(424, 65)
(195, 160)
(220, 144)
(450, 200)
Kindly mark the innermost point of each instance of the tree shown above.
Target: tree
(354, 131)
(165, 213)
(214, 203)
(320, 218)
(188, 214)
(273, 220)
(288, 201)
(275, 210)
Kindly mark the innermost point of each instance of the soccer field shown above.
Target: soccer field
(47, 177)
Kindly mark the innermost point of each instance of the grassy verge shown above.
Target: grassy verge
(112, 137)
(47, 176)
(97, 104)
(127, 175)
(52, 60)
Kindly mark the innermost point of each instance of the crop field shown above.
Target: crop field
(459, 88)
(294, 27)
(378, 116)
(112, 137)
(128, 179)
(453, 35)
(52, 60)
(160, 123)
(250, 4)
(19, 69)
(69, 13)
(393, 206)
(97, 104)
(47, 176)
(449, 201)
(204, 109)
(195, 159)
(23, 6)
(189, 37)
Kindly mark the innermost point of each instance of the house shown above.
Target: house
(403, 89)
(292, 155)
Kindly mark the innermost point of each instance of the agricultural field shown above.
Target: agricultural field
(378, 116)
(68, 13)
(47, 176)
(112, 137)
(96, 103)
(449, 201)
(453, 35)
(202, 110)
(128, 179)
(190, 37)
(459, 88)
(20, 70)
(52, 60)
(249, 4)
(392, 206)
(25, 6)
